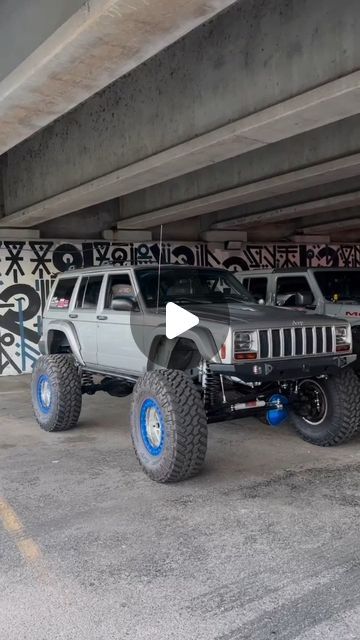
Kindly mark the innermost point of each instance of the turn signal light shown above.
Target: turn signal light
(245, 356)
(342, 347)
(223, 352)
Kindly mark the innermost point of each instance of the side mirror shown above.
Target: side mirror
(122, 303)
(304, 299)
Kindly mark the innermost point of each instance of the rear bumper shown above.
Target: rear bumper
(284, 369)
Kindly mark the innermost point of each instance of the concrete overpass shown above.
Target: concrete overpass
(235, 116)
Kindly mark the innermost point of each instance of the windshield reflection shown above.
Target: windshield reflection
(188, 286)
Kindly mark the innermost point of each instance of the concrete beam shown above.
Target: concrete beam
(327, 104)
(87, 223)
(304, 209)
(335, 225)
(325, 218)
(325, 173)
(102, 41)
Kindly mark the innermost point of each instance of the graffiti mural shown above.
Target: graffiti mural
(28, 269)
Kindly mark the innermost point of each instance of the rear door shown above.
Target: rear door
(84, 316)
(117, 347)
(287, 286)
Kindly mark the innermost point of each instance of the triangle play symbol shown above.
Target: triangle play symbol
(178, 320)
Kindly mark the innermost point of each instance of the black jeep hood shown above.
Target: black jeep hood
(259, 316)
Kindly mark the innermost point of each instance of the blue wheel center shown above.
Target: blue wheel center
(44, 393)
(152, 427)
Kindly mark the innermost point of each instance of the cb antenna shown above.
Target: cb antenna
(159, 269)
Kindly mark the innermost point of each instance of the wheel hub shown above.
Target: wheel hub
(44, 393)
(152, 427)
(313, 402)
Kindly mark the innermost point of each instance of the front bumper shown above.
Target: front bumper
(284, 369)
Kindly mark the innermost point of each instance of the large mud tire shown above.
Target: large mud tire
(56, 392)
(341, 419)
(168, 426)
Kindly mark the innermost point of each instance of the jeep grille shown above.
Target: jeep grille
(297, 341)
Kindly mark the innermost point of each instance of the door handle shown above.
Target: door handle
(101, 317)
(73, 315)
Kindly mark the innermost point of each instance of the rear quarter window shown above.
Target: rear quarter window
(62, 295)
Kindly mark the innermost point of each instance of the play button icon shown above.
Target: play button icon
(178, 320)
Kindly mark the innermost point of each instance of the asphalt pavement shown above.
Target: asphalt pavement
(264, 545)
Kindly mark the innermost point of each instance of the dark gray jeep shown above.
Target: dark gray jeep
(106, 329)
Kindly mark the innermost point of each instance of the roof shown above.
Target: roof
(290, 270)
(115, 267)
(105, 268)
(302, 269)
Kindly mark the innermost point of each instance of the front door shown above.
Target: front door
(117, 348)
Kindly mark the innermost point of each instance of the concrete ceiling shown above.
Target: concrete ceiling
(100, 42)
(329, 103)
(281, 160)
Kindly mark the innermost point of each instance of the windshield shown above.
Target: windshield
(191, 286)
(339, 285)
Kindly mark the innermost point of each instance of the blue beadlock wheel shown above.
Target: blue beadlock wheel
(152, 427)
(44, 393)
(56, 392)
(168, 425)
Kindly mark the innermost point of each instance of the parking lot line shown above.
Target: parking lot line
(13, 525)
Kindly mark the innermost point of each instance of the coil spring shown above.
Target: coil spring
(87, 379)
(210, 385)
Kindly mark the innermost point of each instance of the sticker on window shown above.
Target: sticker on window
(59, 303)
(63, 303)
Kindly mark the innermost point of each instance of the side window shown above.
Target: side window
(293, 291)
(118, 286)
(89, 292)
(62, 294)
(258, 288)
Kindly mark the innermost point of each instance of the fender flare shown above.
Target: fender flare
(68, 330)
(202, 338)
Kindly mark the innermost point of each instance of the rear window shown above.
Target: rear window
(257, 287)
(62, 294)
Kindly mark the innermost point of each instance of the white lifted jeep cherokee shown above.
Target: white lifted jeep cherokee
(104, 329)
